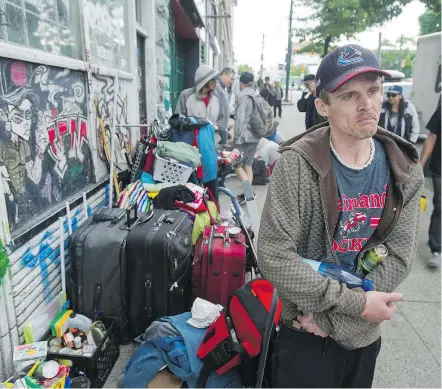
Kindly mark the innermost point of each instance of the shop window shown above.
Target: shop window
(48, 25)
(107, 20)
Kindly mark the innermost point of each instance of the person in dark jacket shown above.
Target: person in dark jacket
(307, 103)
(432, 147)
(266, 92)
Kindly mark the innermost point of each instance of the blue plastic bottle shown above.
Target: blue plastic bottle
(339, 274)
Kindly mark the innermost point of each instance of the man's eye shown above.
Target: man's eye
(374, 91)
(348, 97)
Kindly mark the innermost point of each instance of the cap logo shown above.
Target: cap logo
(349, 56)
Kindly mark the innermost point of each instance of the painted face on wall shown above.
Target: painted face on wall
(20, 119)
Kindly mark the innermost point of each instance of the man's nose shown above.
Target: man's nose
(364, 103)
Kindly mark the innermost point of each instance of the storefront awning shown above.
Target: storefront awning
(187, 18)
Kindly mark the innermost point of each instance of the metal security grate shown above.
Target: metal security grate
(176, 61)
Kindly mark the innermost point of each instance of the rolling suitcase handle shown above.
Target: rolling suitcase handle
(101, 217)
(236, 206)
(207, 192)
(266, 339)
(128, 211)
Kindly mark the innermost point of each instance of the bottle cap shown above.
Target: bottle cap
(367, 284)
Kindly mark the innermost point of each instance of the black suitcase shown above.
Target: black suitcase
(98, 266)
(259, 172)
(159, 257)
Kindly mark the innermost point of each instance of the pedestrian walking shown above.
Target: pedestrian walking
(431, 149)
(225, 80)
(266, 92)
(277, 94)
(337, 191)
(307, 103)
(245, 139)
(399, 116)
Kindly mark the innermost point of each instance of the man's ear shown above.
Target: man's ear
(321, 107)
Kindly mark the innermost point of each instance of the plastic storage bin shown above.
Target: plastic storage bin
(166, 170)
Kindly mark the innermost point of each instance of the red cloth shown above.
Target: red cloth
(148, 164)
(206, 100)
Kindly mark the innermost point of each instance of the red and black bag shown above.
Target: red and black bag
(242, 331)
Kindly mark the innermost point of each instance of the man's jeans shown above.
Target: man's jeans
(435, 228)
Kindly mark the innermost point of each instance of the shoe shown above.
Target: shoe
(242, 199)
(434, 261)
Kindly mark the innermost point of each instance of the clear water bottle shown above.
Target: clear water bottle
(340, 274)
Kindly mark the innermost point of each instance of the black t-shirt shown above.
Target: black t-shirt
(434, 126)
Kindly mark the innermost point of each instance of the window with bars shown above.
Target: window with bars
(48, 25)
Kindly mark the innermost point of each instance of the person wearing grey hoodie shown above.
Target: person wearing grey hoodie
(245, 140)
(201, 101)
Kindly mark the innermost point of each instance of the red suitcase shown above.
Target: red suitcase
(218, 268)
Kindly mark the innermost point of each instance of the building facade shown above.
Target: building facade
(70, 70)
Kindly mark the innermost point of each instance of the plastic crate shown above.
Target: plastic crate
(166, 170)
(97, 367)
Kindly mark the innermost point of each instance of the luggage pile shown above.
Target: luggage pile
(163, 245)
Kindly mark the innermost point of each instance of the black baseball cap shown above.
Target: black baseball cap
(309, 77)
(246, 78)
(343, 64)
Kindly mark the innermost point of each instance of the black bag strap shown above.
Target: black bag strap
(266, 339)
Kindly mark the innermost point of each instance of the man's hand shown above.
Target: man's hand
(309, 325)
(379, 306)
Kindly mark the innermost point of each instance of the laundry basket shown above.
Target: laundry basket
(169, 170)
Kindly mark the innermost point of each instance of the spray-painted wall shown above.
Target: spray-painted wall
(45, 155)
(51, 151)
(33, 277)
(103, 90)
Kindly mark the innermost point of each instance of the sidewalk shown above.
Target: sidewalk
(410, 356)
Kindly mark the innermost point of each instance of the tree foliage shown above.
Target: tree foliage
(245, 68)
(338, 18)
(433, 5)
(429, 22)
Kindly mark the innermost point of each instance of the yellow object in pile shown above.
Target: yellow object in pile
(423, 203)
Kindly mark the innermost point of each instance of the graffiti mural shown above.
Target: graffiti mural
(44, 146)
(103, 94)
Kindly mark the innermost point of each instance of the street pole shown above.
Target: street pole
(289, 55)
(379, 46)
(262, 57)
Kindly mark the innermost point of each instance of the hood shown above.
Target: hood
(203, 75)
(314, 146)
(248, 91)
